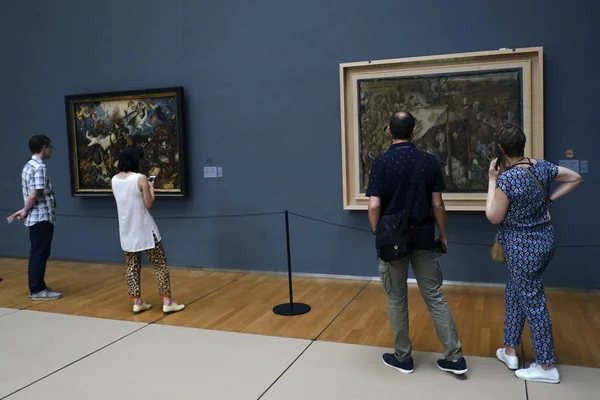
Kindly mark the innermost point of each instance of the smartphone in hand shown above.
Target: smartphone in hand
(151, 178)
(498, 157)
(441, 247)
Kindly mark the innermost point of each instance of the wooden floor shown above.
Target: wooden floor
(347, 311)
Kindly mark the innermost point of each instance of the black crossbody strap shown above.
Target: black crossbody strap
(410, 198)
(396, 191)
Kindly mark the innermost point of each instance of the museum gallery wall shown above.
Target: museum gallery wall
(458, 100)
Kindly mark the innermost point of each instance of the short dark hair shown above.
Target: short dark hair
(402, 125)
(512, 140)
(37, 143)
(129, 159)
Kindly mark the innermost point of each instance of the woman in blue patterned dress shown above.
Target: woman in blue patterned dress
(516, 202)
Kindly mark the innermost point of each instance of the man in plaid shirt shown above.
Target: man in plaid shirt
(39, 214)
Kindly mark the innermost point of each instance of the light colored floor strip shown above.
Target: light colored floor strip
(342, 371)
(54, 356)
(6, 311)
(576, 383)
(35, 344)
(165, 362)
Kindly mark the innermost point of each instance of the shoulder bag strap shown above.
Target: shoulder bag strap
(395, 196)
(414, 180)
(538, 184)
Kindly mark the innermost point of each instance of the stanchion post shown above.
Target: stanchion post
(289, 255)
(291, 308)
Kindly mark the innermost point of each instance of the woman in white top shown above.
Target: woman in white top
(134, 195)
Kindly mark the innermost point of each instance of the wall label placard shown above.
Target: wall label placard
(570, 164)
(210, 172)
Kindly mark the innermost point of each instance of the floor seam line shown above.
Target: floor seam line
(362, 289)
(522, 362)
(195, 301)
(14, 312)
(75, 362)
(20, 308)
(10, 272)
(284, 371)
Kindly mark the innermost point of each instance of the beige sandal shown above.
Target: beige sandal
(137, 309)
(173, 308)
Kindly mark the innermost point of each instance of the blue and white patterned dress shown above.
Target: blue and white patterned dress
(527, 236)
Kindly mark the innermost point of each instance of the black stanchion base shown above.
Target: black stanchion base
(289, 309)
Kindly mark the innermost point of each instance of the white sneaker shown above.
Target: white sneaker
(512, 362)
(536, 373)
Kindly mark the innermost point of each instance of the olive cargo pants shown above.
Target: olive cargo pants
(427, 271)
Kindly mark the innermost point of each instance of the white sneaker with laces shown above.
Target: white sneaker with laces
(512, 362)
(535, 373)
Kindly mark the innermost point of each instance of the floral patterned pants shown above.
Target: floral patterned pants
(525, 299)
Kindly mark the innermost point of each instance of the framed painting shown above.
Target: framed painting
(101, 125)
(458, 100)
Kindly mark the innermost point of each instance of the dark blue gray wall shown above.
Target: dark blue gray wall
(262, 96)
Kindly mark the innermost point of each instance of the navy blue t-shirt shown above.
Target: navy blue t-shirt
(395, 167)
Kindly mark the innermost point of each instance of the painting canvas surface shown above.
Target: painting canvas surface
(457, 115)
(103, 127)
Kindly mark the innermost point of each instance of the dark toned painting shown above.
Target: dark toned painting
(101, 125)
(457, 115)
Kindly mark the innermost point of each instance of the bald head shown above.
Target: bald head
(402, 125)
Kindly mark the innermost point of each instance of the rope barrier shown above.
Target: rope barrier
(470, 244)
(164, 217)
(450, 242)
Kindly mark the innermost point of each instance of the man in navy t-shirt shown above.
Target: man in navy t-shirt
(390, 169)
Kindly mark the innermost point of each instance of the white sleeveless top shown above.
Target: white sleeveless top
(136, 225)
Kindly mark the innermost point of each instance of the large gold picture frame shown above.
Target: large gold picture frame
(458, 100)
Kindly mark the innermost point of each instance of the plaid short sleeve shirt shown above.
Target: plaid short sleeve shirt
(35, 177)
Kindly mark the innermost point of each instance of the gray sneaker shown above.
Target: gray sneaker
(47, 289)
(45, 294)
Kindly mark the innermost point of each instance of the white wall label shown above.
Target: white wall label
(570, 164)
(213, 172)
(583, 166)
(210, 172)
